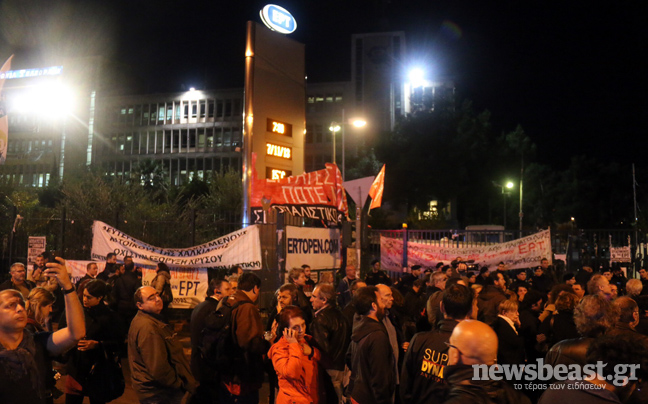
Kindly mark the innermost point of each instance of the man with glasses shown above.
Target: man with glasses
(159, 370)
(475, 343)
(332, 333)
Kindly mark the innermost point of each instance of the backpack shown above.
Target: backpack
(218, 347)
(167, 294)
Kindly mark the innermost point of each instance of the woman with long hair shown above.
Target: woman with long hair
(39, 309)
(162, 283)
(295, 360)
(93, 366)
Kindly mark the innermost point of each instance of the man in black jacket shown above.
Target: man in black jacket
(422, 377)
(331, 333)
(206, 375)
(377, 276)
(491, 296)
(125, 287)
(372, 360)
(407, 281)
(475, 343)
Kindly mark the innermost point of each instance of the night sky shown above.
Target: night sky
(572, 73)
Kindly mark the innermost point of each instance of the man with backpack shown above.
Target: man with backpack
(240, 361)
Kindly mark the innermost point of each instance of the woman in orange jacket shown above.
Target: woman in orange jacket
(296, 361)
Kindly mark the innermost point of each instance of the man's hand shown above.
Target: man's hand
(59, 270)
(87, 344)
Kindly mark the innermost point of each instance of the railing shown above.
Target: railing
(579, 246)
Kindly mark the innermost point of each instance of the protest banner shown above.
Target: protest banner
(521, 253)
(189, 285)
(242, 247)
(620, 254)
(317, 195)
(77, 269)
(315, 247)
(35, 245)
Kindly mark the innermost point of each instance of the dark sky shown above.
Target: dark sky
(572, 73)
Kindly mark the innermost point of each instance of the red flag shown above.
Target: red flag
(377, 188)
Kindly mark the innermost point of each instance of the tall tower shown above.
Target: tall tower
(376, 75)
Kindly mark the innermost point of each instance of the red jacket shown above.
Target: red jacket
(298, 374)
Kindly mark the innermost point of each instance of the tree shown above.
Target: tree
(440, 155)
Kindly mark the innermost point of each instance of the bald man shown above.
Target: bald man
(475, 343)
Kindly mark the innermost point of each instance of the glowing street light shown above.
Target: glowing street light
(337, 127)
(417, 77)
(506, 188)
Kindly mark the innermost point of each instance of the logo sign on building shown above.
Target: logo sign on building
(317, 248)
(278, 19)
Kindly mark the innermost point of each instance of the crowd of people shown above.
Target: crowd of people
(413, 339)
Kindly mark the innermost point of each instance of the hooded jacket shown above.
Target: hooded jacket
(372, 381)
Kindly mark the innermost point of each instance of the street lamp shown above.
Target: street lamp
(417, 77)
(337, 127)
(506, 190)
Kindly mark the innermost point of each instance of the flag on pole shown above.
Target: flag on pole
(377, 188)
(4, 121)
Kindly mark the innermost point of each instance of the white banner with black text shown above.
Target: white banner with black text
(315, 247)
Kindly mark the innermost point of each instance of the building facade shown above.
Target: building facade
(193, 133)
(190, 134)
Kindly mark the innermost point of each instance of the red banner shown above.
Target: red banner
(318, 195)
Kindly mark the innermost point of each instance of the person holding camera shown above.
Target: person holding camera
(24, 356)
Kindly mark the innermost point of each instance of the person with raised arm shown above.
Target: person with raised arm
(23, 355)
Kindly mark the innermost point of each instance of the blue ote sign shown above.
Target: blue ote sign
(278, 19)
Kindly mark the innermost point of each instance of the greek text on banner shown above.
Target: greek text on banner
(521, 253)
(242, 247)
(188, 285)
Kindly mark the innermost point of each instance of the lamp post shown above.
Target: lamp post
(335, 128)
(505, 191)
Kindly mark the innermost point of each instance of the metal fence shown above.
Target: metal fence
(579, 246)
(72, 239)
